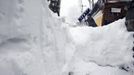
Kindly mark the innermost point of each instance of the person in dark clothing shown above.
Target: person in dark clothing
(130, 16)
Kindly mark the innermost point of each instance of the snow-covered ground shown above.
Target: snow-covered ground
(33, 41)
(102, 50)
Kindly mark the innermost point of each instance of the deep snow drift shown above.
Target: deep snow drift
(32, 42)
(104, 43)
(102, 50)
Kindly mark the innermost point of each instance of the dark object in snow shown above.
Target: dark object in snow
(91, 21)
(55, 6)
(130, 16)
(86, 16)
(123, 68)
(83, 16)
(70, 73)
(133, 48)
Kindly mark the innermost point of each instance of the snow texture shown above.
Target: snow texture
(32, 41)
(67, 6)
(108, 47)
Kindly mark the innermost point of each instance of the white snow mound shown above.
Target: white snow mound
(107, 45)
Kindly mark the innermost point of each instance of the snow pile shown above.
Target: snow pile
(80, 67)
(109, 45)
(20, 25)
(83, 68)
(104, 43)
(32, 42)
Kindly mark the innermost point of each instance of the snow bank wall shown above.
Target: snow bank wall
(107, 45)
(19, 18)
(107, 48)
(31, 41)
